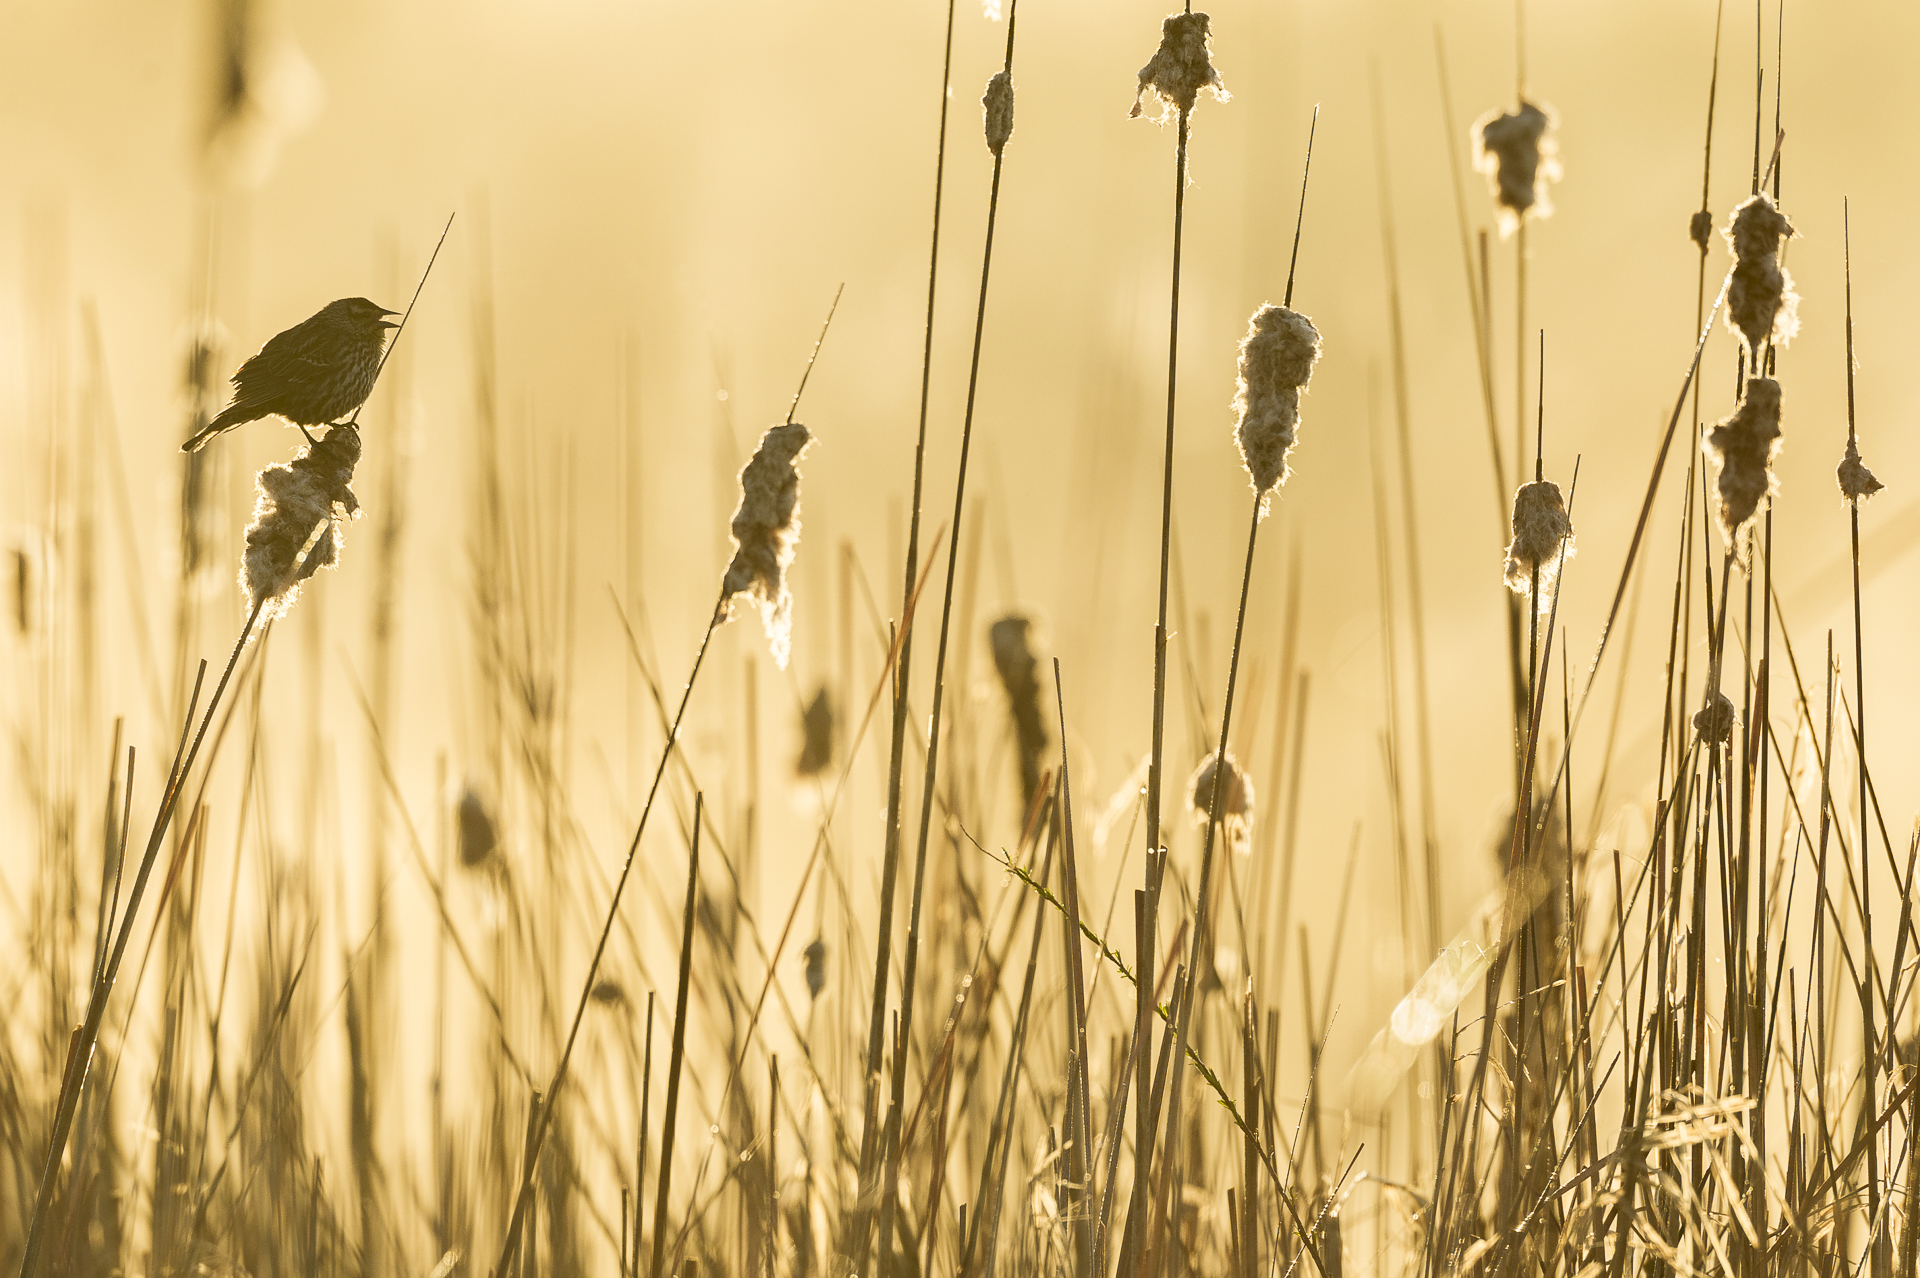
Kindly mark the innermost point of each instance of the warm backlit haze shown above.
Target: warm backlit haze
(653, 208)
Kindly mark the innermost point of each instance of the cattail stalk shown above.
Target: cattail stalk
(1870, 1092)
(675, 1055)
(1458, 1199)
(1080, 1165)
(778, 441)
(978, 1247)
(80, 1047)
(524, 1195)
(1262, 364)
(1177, 77)
(999, 127)
(858, 1227)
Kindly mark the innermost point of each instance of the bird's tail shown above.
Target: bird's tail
(225, 421)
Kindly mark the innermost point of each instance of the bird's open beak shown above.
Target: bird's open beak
(387, 323)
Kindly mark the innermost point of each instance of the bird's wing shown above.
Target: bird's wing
(291, 358)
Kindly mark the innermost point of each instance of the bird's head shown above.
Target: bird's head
(362, 312)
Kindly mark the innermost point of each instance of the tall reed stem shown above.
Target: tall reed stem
(910, 959)
(1143, 1136)
(523, 1199)
(1870, 1062)
(674, 1057)
(1201, 950)
(890, 864)
(81, 1045)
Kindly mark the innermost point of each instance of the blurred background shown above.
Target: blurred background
(653, 207)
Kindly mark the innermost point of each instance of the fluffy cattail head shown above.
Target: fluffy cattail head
(1700, 229)
(766, 531)
(478, 836)
(816, 726)
(1181, 68)
(1276, 359)
(1856, 481)
(1542, 540)
(1714, 721)
(299, 516)
(1019, 670)
(1236, 798)
(1744, 445)
(1761, 304)
(1517, 155)
(997, 106)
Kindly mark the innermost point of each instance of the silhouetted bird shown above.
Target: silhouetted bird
(313, 374)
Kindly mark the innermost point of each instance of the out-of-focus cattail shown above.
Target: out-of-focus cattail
(1181, 68)
(1019, 675)
(1714, 721)
(1744, 445)
(816, 725)
(234, 32)
(198, 510)
(1517, 155)
(1542, 540)
(1276, 359)
(299, 518)
(997, 105)
(479, 837)
(1332, 1250)
(30, 578)
(816, 956)
(609, 993)
(1236, 800)
(1700, 229)
(22, 589)
(1856, 481)
(264, 90)
(1761, 304)
(209, 1260)
(766, 531)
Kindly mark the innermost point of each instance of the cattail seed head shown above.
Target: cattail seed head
(1856, 481)
(31, 569)
(478, 836)
(997, 106)
(1276, 359)
(1542, 540)
(1180, 70)
(1761, 304)
(1700, 229)
(1714, 721)
(1744, 445)
(299, 517)
(23, 587)
(609, 993)
(1236, 800)
(766, 531)
(1514, 151)
(1019, 670)
(816, 725)
(816, 956)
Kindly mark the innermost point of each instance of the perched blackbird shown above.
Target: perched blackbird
(313, 374)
